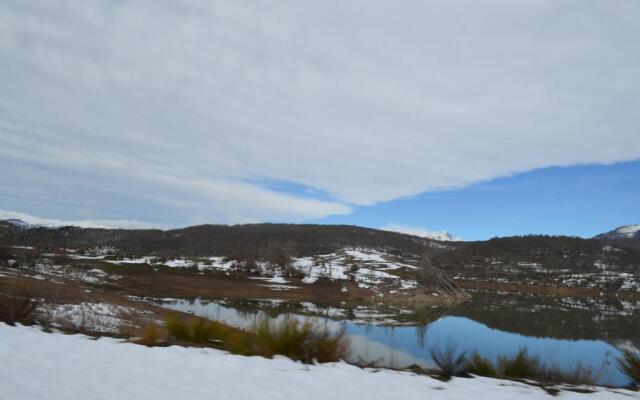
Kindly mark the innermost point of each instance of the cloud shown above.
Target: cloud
(175, 112)
(422, 232)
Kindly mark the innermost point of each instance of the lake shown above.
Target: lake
(561, 331)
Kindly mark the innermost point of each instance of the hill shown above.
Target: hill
(627, 235)
(206, 240)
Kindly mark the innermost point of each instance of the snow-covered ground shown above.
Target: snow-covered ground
(38, 365)
(369, 268)
(93, 317)
(60, 273)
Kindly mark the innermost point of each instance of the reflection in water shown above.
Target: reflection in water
(468, 326)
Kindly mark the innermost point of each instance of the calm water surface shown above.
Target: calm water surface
(562, 331)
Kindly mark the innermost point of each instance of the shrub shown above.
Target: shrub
(196, 330)
(448, 361)
(629, 364)
(521, 366)
(151, 335)
(18, 306)
(479, 365)
(294, 272)
(301, 341)
(580, 375)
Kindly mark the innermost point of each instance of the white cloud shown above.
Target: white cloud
(422, 232)
(172, 109)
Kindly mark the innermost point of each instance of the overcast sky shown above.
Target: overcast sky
(172, 113)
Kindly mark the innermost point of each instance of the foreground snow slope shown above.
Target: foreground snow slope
(38, 365)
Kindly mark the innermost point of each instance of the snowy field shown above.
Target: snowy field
(37, 365)
(370, 272)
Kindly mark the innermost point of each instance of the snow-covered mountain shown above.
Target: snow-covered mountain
(26, 221)
(623, 232)
(442, 236)
(18, 223)
(419, 231)
(627, 235)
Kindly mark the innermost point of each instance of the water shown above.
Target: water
(564, 332)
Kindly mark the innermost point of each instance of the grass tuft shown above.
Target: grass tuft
(479, 365)
(629, 364)
(196, 330)
(152, 334)
(18, 306)
(300, 341)
(521, 366)
(448, 360)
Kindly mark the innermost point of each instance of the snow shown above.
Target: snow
(628, 230)
(370, 272)
(421, 232)
(178, 263)
(141, 260)
(281, 287)
(95, 317)
(277, 279)
(26, 221)
(86, 257)
(38, 365)
(611, 249)
(622, 232)
(371, 268)
(309, 280)
(362, 256)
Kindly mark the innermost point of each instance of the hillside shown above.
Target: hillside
(206, 240)
(627, 235)
(599, 264)
(290, 262)
(543, 262)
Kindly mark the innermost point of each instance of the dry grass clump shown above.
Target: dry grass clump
(300, 341)
(151, 335)
(18, 305)
(523, 365)
(629, 364)
(520, 366)
(479, 365)
(196, 330)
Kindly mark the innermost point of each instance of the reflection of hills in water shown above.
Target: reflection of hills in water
(493, 324)
(571, 318)
(611, 320)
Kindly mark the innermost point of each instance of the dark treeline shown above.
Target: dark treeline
(205, 240)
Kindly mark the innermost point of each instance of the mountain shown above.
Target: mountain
(623, 232)
(441, 236)
(20, 224)
(608, 262)
(334, 255)
(627, 235)
(207, 240)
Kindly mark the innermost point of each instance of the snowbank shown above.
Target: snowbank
(38, 365)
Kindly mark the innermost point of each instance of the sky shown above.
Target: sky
(478, 118)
